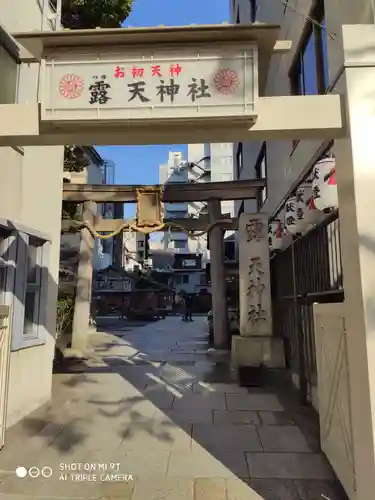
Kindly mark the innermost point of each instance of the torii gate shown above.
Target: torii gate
(160, 85)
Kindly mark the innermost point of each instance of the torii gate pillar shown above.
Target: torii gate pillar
(219, 299)
(82, 306)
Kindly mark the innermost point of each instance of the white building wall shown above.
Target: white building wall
(31, 195)
(170, 172)
(134, 244)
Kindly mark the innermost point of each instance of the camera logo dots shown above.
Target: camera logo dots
(34, 472)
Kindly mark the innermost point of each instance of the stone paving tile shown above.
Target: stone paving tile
(196, 464)
(236, 417)
(241, 490)
(276, 489)
(202, 388)
(315, 489)
(210, 489)
(286, 438)
(210, 401)
(19, 486)
(288, 466)
(276, 418)
(116, 490)
(164, 489)
(184, 416)
(253, 402)
(227, 437)
(235, 461)
(160, 435)
(143, 463)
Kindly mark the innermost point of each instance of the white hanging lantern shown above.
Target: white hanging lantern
(291, 215)
(312, 214)
(324, 187)
(275, 234)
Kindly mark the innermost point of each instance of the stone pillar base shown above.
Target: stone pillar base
(256, 351)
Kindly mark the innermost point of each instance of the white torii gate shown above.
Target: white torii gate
(170, 85)
(233, 61)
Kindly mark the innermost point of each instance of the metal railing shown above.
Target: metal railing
(5, 343)
(308, 271)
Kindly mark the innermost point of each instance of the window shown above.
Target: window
(179, 243)
(177, 214)
(140, 244)
(28, 289)
(253, 10)
(203, 279)
(309, 72)
(9, 65)
(33, 287)
(239, 159)
(261, 173)
(185, 279)
(141, 255)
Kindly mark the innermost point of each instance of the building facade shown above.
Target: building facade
(171, 172)
(30, 210)
(324, 269)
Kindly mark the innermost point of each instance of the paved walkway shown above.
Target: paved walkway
(152, 418)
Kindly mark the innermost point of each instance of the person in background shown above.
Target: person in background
(188, 307)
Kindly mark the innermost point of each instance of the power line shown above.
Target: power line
(287, 5)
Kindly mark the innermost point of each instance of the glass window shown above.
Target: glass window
(9, 79)
(185, 279)
(253, 10)
(325, 53)
(33, 286)
(179, 243)
(239, 159)
(308, 64)
(261, 173)
(309, 72)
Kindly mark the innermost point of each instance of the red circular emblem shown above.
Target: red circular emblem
(71, 86)
(226, 81)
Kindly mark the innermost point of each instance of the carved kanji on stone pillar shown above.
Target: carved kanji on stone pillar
(255, 295)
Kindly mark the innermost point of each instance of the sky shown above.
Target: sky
(140, 164)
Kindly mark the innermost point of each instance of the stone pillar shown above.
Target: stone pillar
(218, 287)
(82, 306)
(255, 345)
(355, 175)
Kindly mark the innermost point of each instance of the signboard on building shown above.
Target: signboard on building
(113, 285)
(135, 86)
(189, 263)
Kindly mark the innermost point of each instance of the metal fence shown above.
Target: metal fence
(308, 271)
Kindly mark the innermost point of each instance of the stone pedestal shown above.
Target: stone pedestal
(255, 345)
(256, 351)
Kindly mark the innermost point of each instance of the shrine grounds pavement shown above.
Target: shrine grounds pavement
(151, 400)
